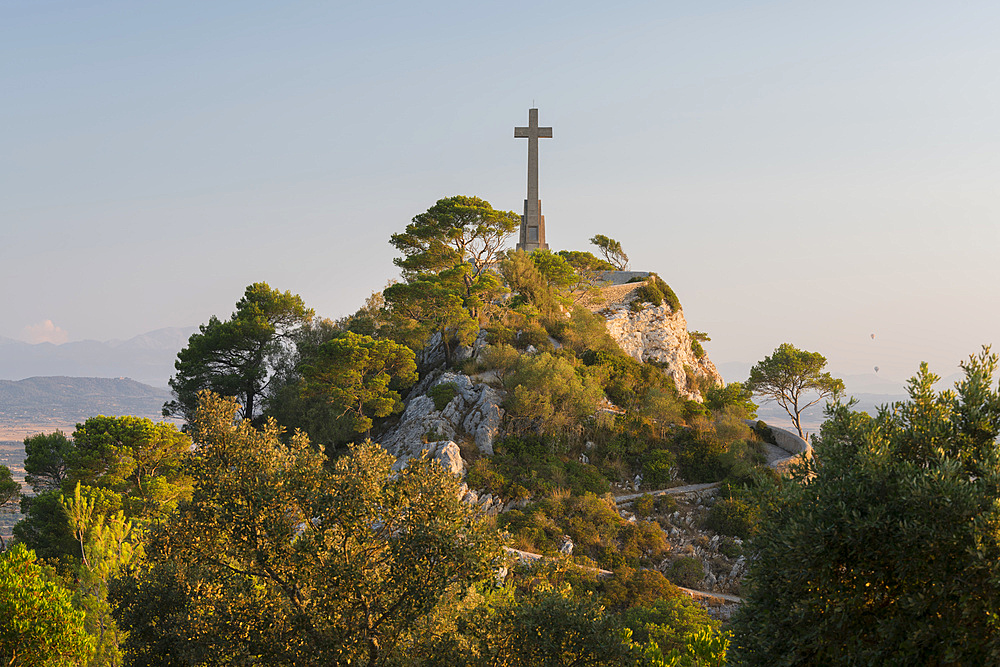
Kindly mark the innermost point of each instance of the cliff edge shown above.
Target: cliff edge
(657, 334)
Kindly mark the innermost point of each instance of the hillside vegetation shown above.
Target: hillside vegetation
(351, 491)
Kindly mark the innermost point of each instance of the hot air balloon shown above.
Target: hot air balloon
(876, 369)
(873, 336)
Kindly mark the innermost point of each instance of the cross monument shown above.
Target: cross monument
(532, 222)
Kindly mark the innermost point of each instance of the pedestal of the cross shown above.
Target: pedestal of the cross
(532, 229)
(532, 222)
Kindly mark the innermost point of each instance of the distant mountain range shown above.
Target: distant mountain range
(148, 358)
(64, 401)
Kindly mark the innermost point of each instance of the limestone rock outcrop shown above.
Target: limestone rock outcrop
(658, 334)
(435, 354)
(473, 414)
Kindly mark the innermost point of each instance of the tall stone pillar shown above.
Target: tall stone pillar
(532, 222)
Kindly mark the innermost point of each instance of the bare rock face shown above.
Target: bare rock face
(657, 333)
(444, 452)
(435, 353)
(449, 456)
(474, 413)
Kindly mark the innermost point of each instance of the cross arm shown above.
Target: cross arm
(525, 133)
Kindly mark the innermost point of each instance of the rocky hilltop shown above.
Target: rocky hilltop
(473, 412)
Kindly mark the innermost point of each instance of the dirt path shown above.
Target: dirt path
(688, 488)
(532, 557)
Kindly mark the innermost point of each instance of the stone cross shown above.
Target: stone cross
(532, 222)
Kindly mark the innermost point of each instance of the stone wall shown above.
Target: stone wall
(788, 441)
(621, 277)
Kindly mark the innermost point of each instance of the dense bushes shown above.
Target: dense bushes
(734, 516)
(733, 395)
(700, 457)
(592, 522)
(686, 571)
(527, 466)
(657, 292)
(630, 384)
(442, 394)
(545, 393)
(659, 469)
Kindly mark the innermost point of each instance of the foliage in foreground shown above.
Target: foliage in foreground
(279, 559)
(885, 550)
(38, 625)
(122, 464)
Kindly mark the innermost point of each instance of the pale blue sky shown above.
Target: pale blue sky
(798, 172)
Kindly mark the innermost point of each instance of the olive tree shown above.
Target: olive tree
(281, 558)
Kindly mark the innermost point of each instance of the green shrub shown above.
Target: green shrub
(498, 334)
(763, 432)
(734, 397)
(700, 459)
(585, 478)
(530, 467)
(668, 294)
(533, 335)
(524, 446)
(498, 358)
(668, 621)
(694, 409)
(658, 469)
(666, 504)
(641, 542)
(442, 394)
(593, 523)
(729, 548)
(697, 349)
(547, 394)
(648, 292)
(744, 459)
(686, 571)
(657, 292)
(587, 331)
(644, 505)
(734, 516)
(482, 475)
(528, 285)
(627, 382)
